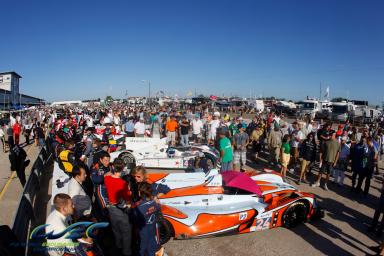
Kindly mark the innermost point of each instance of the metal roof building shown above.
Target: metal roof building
(10, 96)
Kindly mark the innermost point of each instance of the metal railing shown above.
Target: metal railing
(25, 214)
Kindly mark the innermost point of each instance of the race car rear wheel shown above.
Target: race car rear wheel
(127, 158)
(295, 214)
(165, 230)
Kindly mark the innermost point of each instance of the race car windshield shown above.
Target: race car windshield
(240, 181)
(235, 191)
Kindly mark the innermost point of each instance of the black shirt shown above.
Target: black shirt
(10, 131)
(184, 127)
(308, 150)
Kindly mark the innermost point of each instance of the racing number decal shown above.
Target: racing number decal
(243, 216)
(185, 163)
(263, 223)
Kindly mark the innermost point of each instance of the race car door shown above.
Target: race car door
(161, 160)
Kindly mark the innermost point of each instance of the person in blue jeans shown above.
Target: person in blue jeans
(145, 214)
(226, 153)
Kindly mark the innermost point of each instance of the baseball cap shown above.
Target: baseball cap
(241, 126)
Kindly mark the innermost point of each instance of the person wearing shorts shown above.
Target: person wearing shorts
(308, 154)
(171, 127)
(328, 159)
(285, 154)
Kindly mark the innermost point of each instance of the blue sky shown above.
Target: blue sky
(88, 49)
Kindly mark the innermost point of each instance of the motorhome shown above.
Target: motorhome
(258, 105)
(342, 111)
(286, 107)
(310, 107)
(363, 113)
(366, 115)
(326, 109)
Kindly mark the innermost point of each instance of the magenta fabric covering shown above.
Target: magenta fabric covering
(241, 180)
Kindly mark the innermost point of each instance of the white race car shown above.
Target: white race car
(230, 203)
(155, 153)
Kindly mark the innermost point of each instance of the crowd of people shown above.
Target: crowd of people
(100, 191)
(30, 125)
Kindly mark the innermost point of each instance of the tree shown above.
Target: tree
(339, 99)
(108, 99)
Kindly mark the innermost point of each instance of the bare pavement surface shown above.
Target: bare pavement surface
(343, 230)
(10, 187)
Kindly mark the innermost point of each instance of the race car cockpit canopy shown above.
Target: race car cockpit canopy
(241, 181)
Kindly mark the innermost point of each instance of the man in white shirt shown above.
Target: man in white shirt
(215, 123)
(2, 137)
(12, 121)
(89, 121)
(57, 222)
(107, 120)
(277, 119)
(81, 201)
(140, 128)
(197, 125)
(116, 119)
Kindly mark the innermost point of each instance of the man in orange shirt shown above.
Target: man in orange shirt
(171, 126)
(16, 132)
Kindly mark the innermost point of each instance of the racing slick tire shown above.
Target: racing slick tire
(165, 230)
(128, 158)
(295, 214)
(212, 160)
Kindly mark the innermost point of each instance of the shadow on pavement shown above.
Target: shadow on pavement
(338, 211)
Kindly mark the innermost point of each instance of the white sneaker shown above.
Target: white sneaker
(317, 184)
(291, 170)
(326, 187)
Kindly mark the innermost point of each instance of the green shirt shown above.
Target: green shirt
(233, 129)
(226, 146)
(286, 148)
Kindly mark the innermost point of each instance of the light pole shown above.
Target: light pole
(149, 91)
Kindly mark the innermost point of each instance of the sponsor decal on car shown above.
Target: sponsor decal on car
(243, 216)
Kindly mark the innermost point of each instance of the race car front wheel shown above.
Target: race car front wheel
(212, 162)
(295, 214)
(127, 158)
(165, 230)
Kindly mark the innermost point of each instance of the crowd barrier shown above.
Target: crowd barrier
(25, 214)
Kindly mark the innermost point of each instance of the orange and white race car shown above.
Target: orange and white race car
(230, 203)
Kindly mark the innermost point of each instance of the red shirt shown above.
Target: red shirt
(16, 128)
(117, 188)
